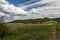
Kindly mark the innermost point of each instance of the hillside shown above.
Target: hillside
(35, 21)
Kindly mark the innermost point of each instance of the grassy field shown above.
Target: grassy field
(58, 31)
(29, 31)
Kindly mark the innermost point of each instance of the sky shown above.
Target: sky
(17, 2)
(29, 9)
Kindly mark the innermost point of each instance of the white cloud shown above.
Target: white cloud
(44, 8)
(46, 12)
(52, 9)
(10, 10)
(38, 3)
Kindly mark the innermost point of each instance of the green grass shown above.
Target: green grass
(39, 32)
(58, 27)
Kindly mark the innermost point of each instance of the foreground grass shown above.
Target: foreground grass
(58, 27)
(30, 32)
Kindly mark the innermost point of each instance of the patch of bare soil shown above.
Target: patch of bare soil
(58, 36)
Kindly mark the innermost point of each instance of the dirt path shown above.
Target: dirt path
(58, 36)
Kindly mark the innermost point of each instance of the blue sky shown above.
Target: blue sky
(25, 2)
(22, 2)
(17, 2)
(29, 9)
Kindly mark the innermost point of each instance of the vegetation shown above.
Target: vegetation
(39, 32)
(33, 29)
(35, 21)
(3, 30)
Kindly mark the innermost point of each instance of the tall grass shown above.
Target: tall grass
(40, 32)
(4, 30)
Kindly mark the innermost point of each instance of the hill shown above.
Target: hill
(39, 20)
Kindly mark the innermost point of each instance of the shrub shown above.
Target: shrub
(3, 30)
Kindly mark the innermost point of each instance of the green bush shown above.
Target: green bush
(3, 30)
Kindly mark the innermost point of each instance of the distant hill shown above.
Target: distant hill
(26, 21)
(39, 20)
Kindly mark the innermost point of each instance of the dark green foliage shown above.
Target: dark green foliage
(58, 27)
(3, 30)
(30, 30)
(35, 21)
(41, 32)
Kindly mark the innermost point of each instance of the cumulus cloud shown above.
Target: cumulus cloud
(10, 10)
(44, 8)
(29, 2)
(30, 10)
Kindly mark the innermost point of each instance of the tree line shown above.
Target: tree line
(38, 20)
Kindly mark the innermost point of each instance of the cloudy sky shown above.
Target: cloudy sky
(29, 9)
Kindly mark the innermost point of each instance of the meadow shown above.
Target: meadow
(33, 29)
(58, 31)
(19, 31)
